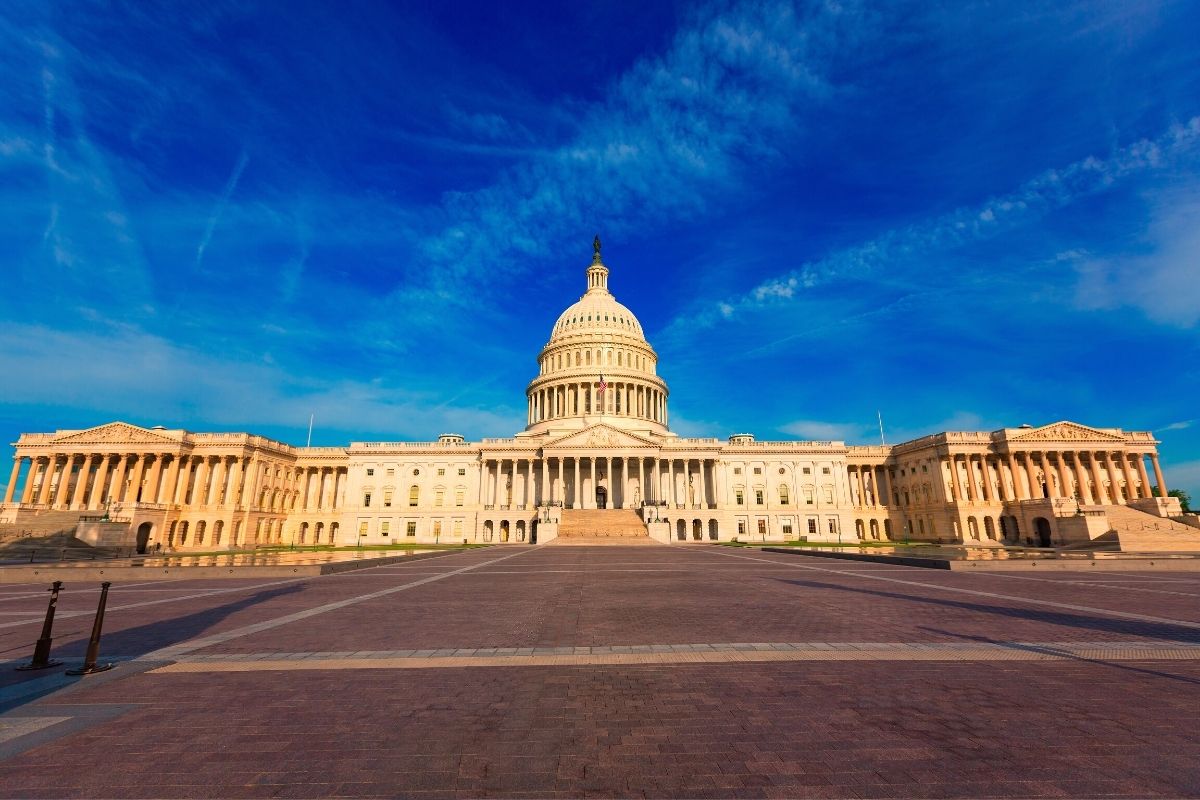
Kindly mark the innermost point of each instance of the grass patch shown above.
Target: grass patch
(319, 548)
(829, 544)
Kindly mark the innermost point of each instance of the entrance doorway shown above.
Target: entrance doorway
(1043, 531)
(143, 536)
(601, 497)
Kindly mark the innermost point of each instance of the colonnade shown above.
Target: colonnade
(92, 481)
(529, 482)
(620, 398)
(871, 482)
(1094, 477)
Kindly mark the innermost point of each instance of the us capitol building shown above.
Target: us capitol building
(597, 461)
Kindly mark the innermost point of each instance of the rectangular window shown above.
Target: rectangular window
(741, 526)
(458, 497)
(812, 524)
(385, 527)
(414, 496)
(387, 499)
(833, 524)
(737, 470)
(828, 495)
(437, 527)
(808, 470)
(439, 497)
(462, 471)
(391, 472)
(786, 525)
(758, 497)
(362, 529)
(824, 470)
(370, 471)
(457, 528)
(762, 526)
(808, 497)
(367, 500)
(758, 470)
(411, 529)
(739, 497)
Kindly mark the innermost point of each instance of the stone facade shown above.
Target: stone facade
(597, 436)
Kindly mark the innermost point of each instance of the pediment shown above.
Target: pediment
(115, 433)
(1066, 432)
(602, 437)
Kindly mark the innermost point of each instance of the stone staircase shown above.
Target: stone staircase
(601, 526)
(1139, 532)
(44, 524)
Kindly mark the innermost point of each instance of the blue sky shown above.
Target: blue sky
(227, 216)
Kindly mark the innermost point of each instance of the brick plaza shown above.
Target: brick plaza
(613, 671)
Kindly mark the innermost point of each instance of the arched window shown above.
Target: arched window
(610, 358)
(414, 495)
(620, 355)
(783, 494)
(578, 358)
(589, 357)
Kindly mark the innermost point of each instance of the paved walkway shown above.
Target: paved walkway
(673, 671)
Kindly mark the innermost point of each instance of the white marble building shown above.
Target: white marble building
(597, 456)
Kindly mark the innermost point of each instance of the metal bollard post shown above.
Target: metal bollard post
(93, 650)
(41, 651)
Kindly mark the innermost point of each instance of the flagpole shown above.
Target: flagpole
(882, 440)
(310, 422)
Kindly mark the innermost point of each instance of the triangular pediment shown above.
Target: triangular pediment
(1066, 432)
(115, 433)
(601, 436)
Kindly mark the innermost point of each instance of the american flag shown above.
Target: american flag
(603, 385)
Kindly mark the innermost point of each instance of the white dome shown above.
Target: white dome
(597, 312)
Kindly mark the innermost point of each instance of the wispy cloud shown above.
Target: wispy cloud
(821, 431)
(222, 201)
(1032, 200)
(110, 374)
(676, 133)
(1179, 426)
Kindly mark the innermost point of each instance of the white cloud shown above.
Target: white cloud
(1160, 276)
(674, 132)
(1179, 426)
(125, 371)
(222, 201)
(810, 429)
(1035, 198)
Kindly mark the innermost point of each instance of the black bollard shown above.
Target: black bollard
(89, 661)
(41, 651)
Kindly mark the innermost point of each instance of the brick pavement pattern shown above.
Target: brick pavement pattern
(203, 706)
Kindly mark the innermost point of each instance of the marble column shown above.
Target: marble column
(1118, 495)
(1081, 478)
(972, 481)
(139, 472)
(30, 475)
(166, 491)
(85, 471)
(11, 489)
(43, 494)
(1035, 489)
(1141, 466)
(1131, 492)
(1013, 476)
(199, 493)
(1158, 475)
(117, 493)
(1099, 493)
(153, 480)
(1064, 480)
(543, 496)
(576, 485)
(94, 496)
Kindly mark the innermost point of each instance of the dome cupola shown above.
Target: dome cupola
(597, 364)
